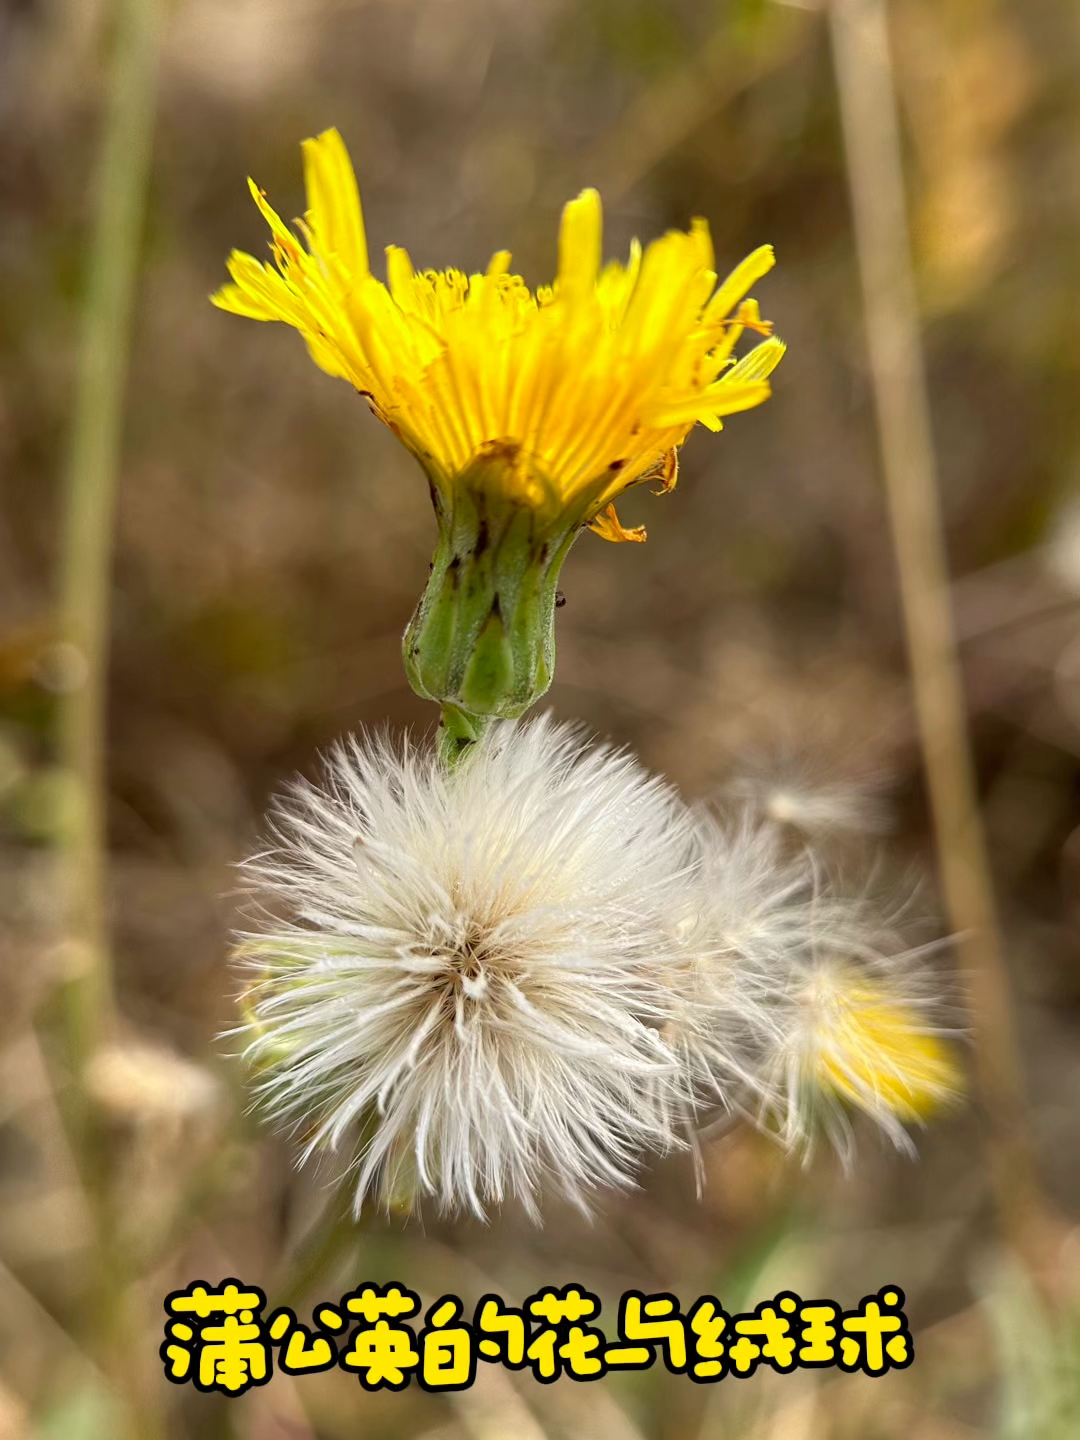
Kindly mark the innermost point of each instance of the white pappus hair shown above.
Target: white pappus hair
(750, 911)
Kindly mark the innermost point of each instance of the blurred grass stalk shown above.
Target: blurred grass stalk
(90, 508)
(86, 558)
(868, 107)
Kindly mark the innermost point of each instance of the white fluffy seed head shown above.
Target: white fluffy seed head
(466, 975)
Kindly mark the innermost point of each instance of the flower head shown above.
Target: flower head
(577, 390)
(529, 412)
(467, 986)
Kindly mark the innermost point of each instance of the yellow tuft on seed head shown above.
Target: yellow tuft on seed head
(873, 1050)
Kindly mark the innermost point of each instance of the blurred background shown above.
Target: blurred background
(271, 539)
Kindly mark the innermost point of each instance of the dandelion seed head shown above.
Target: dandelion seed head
(467, 989)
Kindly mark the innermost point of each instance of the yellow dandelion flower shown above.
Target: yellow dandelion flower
(873, 1050)
(529, 411)
(590, 383)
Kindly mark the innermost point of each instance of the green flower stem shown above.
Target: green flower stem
(111, 1320)
(323, 1248)
(90, 500)
(458, 733)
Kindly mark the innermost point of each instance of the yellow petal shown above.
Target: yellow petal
(238, 302)
(702, 238)
(258, 291)
(759, 363)
(334, 213)
(401, 277)
(283, 236)
(913, 1074)
(745, 275)
(580, 241)
(720, 398)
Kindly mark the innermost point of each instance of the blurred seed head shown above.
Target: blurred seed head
(146, 1085)
(799, 1003)
(794, 789)
(60, 667)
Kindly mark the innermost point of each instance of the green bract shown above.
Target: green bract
(481, 642)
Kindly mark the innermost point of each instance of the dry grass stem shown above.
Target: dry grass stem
(866, 86)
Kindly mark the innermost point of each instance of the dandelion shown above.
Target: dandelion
(467, 988)
(797, 1005)
(529, 412)
(516, 962)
